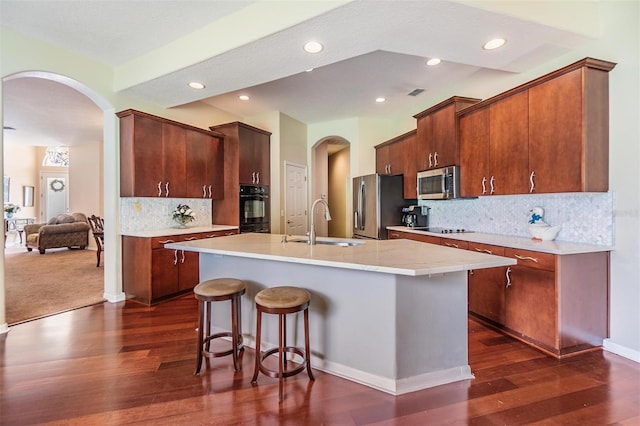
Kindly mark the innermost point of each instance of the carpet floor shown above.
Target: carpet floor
(38, 285)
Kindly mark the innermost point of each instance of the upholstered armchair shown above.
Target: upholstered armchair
(64, 230)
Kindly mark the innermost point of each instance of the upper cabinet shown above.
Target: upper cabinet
(437, 140)
(548, 135)
(494, 148)
(397, 157)
(164, 158)
(252, 152)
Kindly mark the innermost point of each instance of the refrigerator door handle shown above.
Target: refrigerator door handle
(355, 220)
(362, 207)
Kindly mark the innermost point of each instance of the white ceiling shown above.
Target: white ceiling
(372, 48)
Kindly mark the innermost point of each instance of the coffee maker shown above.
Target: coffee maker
(415, 216)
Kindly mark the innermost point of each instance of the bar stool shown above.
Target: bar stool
(216, 290)
(282, 301)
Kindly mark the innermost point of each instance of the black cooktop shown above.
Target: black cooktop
(441, 230)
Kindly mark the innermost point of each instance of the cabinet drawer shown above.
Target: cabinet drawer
(532, 259)
(464, 245)
(159, 242)
(487, 248)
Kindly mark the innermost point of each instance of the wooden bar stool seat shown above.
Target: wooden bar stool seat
(282, 301)
(217, 290)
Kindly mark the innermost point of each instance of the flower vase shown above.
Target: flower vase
(9, 215)
(182, 222)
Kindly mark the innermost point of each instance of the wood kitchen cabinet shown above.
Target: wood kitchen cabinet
(397, 157)
(549, 135)
(569, 130)
(437, 137)
(494, 148)
(152, 273)
(247, 161)
(556, 303)
(164, 158)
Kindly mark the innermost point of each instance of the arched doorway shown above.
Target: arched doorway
(109, 166)
(331, 180)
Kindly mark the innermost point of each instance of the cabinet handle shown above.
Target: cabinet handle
(191, 238)
(532, 259)
(484, 185)
(166, 189)
(257, 177)
(508, 275)
(160, 189)
(484, 251)
(210, 236)
(493, 179)
(230, 233)
(167, 241)
(395, 235)
(435, 159)
(210, 192)
(253, 177)
(533, 185)
(182, 251)
(452, 245)
(204, 191)
(175, 257)
(430, 160)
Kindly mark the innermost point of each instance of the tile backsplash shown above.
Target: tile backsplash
(148, 214)
(585, 217)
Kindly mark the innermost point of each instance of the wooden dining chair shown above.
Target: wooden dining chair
(97, 228)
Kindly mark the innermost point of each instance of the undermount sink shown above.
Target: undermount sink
(328, 241)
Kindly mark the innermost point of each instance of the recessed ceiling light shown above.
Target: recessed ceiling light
(380, 100)
(433, 61)
(494, 44)
(196, 85)
(243, 97)
(313, 47)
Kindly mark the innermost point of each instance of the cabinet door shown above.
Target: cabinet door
(174, 160)
(556, 134)
(474, 153)
(509, 145)
(450, 242)
(382, 159)
(408, 148)
(189, 269)
(164, 273)
(205, 171)
(424, 143)
(487, 287)
(254, 152)
(396, 158)
(443, 137)
(531, 305)
(141, 152)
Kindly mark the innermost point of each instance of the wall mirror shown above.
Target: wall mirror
(27, 196)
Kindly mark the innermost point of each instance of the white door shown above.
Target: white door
(295, 199)
(54, 195)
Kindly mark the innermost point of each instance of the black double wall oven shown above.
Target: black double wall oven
(254, 208)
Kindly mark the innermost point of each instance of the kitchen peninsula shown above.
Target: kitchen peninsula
(389, 314)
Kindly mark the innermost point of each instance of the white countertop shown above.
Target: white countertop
(179, 231)
(402, 257)
(553, 247)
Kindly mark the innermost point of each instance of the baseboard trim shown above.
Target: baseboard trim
(623, 351)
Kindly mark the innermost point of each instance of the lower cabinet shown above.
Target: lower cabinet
(556, 303)
(152, 273)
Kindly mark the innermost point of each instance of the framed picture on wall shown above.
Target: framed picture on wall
(27, 196)
(6, 189)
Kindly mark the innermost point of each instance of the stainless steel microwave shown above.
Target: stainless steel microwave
(439, 184)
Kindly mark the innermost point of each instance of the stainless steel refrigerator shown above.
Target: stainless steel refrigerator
(377, 203)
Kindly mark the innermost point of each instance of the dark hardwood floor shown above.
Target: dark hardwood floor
(126, 363)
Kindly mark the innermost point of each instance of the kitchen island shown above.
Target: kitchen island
(389, 314)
